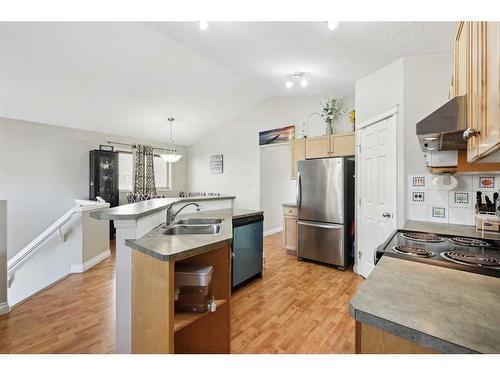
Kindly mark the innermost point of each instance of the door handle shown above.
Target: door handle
(470, 132)
(298, 191)
(322, 225)
(386, 214)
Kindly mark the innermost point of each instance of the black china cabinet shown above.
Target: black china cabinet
(104, 178)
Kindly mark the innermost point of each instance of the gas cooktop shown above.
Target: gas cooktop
(464, 253)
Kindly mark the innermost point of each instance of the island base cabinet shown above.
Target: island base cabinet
(157, 328)
(371, 340)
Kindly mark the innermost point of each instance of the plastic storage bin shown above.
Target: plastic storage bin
(193, 287)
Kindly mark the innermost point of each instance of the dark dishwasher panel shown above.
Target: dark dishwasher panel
(248, 235)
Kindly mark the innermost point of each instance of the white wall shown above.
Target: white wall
(417, 85)
(275, 184)
(379, 91)
(426, 88)
(43, 168)
(238, 141)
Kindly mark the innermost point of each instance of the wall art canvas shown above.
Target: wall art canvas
(278, 135)
(216, 164)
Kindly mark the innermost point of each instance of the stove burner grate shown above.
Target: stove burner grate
(414, 251)
(472, 242)
(472, 259)
(422, 237)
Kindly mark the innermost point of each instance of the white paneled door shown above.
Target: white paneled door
(377, 179)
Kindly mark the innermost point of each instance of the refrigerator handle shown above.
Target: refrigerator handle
(298, 192)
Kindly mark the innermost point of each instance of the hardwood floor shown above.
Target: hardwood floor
(298, 307)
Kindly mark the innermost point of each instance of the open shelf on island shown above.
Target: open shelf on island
(182, 320)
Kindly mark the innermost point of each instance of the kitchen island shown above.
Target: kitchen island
(156, 328)
(409, 307)
(133, 221)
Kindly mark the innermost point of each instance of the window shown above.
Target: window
(125, 169)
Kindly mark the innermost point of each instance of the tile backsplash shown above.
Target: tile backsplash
(428, 202)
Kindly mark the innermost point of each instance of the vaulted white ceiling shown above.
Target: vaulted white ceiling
(126, 78)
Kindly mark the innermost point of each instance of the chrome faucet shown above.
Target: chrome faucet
(171, 214)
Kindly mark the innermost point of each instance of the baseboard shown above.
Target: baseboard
(273, 231)
(4, 308)
(79, 268)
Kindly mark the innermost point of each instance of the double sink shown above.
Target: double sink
(194, 226)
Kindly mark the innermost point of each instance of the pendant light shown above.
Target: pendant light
(171, 155)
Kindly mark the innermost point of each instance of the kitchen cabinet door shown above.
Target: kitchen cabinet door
(459, 83)
(318, 147)
(474, 89)
(290, 233)
(298, 153)
(489, 139)
(343, 144)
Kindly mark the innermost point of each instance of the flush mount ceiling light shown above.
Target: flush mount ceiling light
(203, 25)
(171, 155)
(299, 77)
(332, 25)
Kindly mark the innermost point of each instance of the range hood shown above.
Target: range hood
(443, 129)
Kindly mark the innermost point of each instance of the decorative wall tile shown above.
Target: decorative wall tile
(484, 182)
(418, 182)
(460, 199)
(417, 197)
(459, 215)
(437, 214)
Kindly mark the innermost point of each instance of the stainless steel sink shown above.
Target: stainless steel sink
(192, 230)
(198, 221)
(180, 229)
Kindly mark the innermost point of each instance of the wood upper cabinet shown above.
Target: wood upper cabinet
(298, 153)
(343, 144)
(477, 53)
(330, 146)
(318, 147)
(489, 140)
(459, 82)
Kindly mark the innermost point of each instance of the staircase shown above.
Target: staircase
(80, 243)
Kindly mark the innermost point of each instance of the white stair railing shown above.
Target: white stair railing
(45, 235)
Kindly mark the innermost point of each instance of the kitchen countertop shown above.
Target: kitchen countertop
(448, 310)
(172, 248)
(289, 205)
(137, 210)
(449, 229)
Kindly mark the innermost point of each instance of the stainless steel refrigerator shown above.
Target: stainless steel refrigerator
(325, 203)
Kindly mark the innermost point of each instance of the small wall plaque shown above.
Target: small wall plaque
(216, 164)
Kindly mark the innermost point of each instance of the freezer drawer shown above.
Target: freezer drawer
(323, 242)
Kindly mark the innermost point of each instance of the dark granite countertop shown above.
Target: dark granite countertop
(174, 247)
(448, 310)
(137, 210)
(449, 229)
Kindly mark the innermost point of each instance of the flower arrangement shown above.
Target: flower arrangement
(333, 108)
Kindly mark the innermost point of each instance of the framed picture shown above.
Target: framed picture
(278, 135)
(216, 164)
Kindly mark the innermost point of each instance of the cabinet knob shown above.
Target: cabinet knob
(386, 214)
(470, 132)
